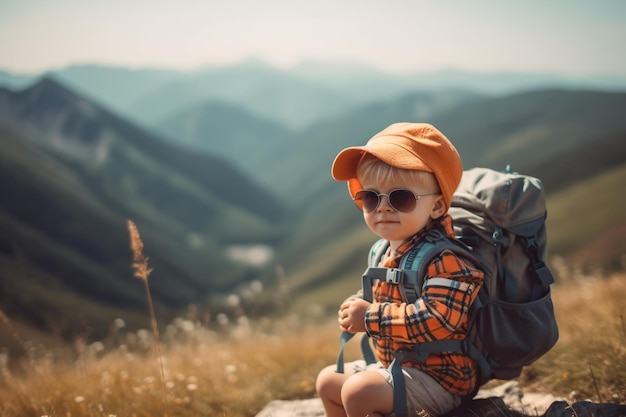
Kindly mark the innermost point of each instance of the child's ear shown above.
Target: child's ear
(439, 209)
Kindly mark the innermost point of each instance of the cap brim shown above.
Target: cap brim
(391, 152)
(347, 162)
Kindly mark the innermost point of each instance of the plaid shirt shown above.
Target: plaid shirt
(440, 313)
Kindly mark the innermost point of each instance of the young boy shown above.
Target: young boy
(403, 180)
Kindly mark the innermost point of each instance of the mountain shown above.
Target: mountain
(218, 128)
(283, 159)
(16, 81)
(365, 82)
(115, 88)
(72, 173)
(149, 95)
(259, 89)
(521, 129)
(309, 159)
(296, 98)
(530, 127)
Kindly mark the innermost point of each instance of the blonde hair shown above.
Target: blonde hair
(372, 169)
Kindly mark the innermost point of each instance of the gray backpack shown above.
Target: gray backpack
(499, 222)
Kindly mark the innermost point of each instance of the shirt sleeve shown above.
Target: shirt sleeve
(439, 313)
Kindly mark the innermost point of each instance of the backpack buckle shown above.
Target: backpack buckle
(394, 275)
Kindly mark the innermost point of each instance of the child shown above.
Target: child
(403, 180)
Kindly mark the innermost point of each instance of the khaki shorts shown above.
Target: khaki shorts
(424, 395)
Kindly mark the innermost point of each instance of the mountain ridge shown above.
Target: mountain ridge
(118, 88)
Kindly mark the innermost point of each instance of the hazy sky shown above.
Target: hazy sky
(559, 36)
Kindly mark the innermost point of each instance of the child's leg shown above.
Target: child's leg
(360, 391)
(328, 386)
(367, 393)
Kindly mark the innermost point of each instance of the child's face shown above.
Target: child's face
(397, 226)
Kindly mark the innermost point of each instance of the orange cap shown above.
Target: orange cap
(418, 146)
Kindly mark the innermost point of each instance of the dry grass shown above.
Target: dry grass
(234, 369)
(233, 372)
(220, 368)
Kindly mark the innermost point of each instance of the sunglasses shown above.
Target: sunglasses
(401, 200)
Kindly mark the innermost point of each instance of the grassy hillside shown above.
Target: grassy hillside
(581, 162)
(532, 127)
(586, 222)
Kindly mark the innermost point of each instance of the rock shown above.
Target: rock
(300, 408)
(512, 395)
(506, 400)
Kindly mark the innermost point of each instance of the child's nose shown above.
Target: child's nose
(384, 204)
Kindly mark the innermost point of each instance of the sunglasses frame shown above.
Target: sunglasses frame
(359, 202)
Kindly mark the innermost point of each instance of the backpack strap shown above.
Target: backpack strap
(368, 354)
(376, 254)
(415, 263)
(400, 406)
(542, 271)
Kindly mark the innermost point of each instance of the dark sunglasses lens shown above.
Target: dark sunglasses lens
(402, 200)
(366, 200)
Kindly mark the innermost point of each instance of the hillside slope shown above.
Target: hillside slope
(73, 173)
(227, 131)
(586, 222)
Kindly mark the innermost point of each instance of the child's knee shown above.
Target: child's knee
(327, 381)
(354, 387)
(367, 389)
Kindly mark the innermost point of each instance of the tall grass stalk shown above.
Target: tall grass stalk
(595, 384)
(142, 271)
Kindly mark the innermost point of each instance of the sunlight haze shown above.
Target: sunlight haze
(567, 37)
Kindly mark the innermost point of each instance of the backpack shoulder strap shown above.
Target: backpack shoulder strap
(377, 252)
(415, 263)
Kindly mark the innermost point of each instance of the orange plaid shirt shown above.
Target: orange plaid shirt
(439, 313)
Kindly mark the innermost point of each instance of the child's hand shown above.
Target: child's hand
(352, 315)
